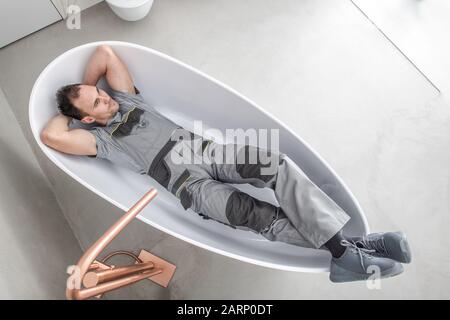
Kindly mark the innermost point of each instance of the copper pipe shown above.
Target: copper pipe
(93, 266)
(91, 279)
(89, 256)
(112, 285)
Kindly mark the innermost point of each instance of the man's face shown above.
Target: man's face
(95, 104)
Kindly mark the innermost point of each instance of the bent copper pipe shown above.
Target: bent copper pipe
(91, 279)
(89, 256)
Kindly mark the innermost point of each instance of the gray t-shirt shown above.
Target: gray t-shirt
(107, 147)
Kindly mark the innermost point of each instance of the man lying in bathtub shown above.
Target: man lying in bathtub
(122, 128)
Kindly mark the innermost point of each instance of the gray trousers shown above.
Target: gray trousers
(199, 173)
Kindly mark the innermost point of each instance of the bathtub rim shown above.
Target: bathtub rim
(56, 161)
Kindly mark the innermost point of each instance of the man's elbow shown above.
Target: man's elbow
(45, 137)
(50, 138)
(106, 50)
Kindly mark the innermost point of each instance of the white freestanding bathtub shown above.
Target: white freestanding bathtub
(184, 94)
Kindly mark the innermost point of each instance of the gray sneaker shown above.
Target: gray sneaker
(357, 264)
(392, 245)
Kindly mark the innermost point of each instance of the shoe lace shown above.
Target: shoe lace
(378, 245)
(362, 252)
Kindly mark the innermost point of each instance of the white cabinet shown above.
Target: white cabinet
(61, 5)
(19, 18)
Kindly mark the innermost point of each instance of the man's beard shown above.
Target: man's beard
(116, 105)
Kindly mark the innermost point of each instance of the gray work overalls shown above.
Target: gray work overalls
(154, 145)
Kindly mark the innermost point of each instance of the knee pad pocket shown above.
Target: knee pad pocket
(249, 163)
(244, 210)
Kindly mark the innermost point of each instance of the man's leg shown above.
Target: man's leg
(316, 217)
(226, 204)
(313, 214)
(282, 230)
(310, 210)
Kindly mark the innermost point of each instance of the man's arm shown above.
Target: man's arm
(57, 135)
(105, 62)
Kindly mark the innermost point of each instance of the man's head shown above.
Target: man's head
(86, 103)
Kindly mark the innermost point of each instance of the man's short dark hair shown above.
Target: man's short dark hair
(64, 97)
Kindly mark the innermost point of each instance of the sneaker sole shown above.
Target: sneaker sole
(404, 246)
(344, 275)
(404, 256)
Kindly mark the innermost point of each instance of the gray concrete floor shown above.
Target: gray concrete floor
(326, 71)
(419, 28)
(36, 242)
